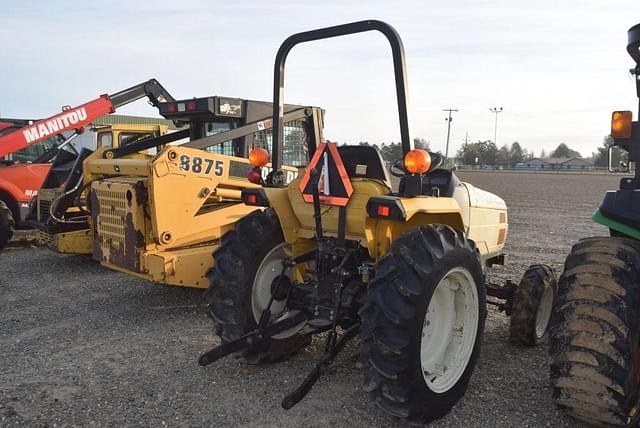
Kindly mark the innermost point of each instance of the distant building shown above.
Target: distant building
(542, 164)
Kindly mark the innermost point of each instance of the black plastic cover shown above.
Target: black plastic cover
(622, 206)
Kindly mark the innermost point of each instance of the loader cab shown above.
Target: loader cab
(120, 135)
(213, 115)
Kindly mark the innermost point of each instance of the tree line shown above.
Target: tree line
(488, 153)
(391, 152)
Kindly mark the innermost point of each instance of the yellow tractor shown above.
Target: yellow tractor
(156, 208)
(338, 251)
(71, 233)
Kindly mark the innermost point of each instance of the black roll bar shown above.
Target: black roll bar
(399, 68)
(633, 47)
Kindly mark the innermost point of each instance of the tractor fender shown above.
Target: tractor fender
(416, 211)
(278, 199)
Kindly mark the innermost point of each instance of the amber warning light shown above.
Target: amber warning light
(621, 124)
(417, 161)
(258, 157)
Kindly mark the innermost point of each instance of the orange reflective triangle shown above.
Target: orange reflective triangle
(334, 185)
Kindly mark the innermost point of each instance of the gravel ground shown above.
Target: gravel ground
(82, 345)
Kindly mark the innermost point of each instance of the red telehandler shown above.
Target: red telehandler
(19, 183)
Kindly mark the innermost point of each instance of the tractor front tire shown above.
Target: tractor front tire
(423, 323)
(532, 304)
(6, 224)
(230, 295)
(594, 333)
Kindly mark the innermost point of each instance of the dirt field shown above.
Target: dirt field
(81, 345)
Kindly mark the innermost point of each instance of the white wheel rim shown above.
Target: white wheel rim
(268, 270)
(543, 314)
(449, 330)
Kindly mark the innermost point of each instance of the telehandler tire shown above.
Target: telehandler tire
(594, 332)
(423, 322)
(6, 224)
(246, 264)
(532, 304)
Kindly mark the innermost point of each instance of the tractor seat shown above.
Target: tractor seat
(364, 162)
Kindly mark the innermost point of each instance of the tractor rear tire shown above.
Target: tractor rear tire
(231, 283)
(423, 322)
(6, 224)
(532, 304)
(595, 328)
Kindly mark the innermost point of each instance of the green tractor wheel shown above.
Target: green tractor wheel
(6, 224)
(248, 263)
(423, 323)
(595, 331)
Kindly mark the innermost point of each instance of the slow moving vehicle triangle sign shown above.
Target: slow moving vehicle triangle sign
(334, 185)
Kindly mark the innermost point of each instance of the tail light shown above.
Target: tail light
(255, 197)
(255, 176)
(386, 207)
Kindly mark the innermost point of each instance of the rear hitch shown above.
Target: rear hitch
(251, 338)
(264, 329)
(332, 347)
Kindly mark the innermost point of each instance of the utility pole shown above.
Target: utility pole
(448, 120)
(495, 110)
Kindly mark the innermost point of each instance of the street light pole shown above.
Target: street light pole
(448, 120)
(495, 110)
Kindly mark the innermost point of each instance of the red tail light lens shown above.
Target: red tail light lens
(255, 176)
(384, 211)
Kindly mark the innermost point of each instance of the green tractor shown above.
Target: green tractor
(338, 251)
(595, 326)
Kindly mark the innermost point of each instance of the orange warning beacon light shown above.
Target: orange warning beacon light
(621, 124)
(417, 161)
(258, 157)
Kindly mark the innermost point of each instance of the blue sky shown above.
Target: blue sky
(558, 68)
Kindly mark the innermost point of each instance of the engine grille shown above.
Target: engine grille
(45, 239)
(117, 209)
(43, 210)
(111, 215)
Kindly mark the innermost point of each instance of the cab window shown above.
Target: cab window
(34, 151)
(295, 149)
(129, 137)
(213, 128)
(105, 139)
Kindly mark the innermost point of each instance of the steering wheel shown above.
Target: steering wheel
(397, 168)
